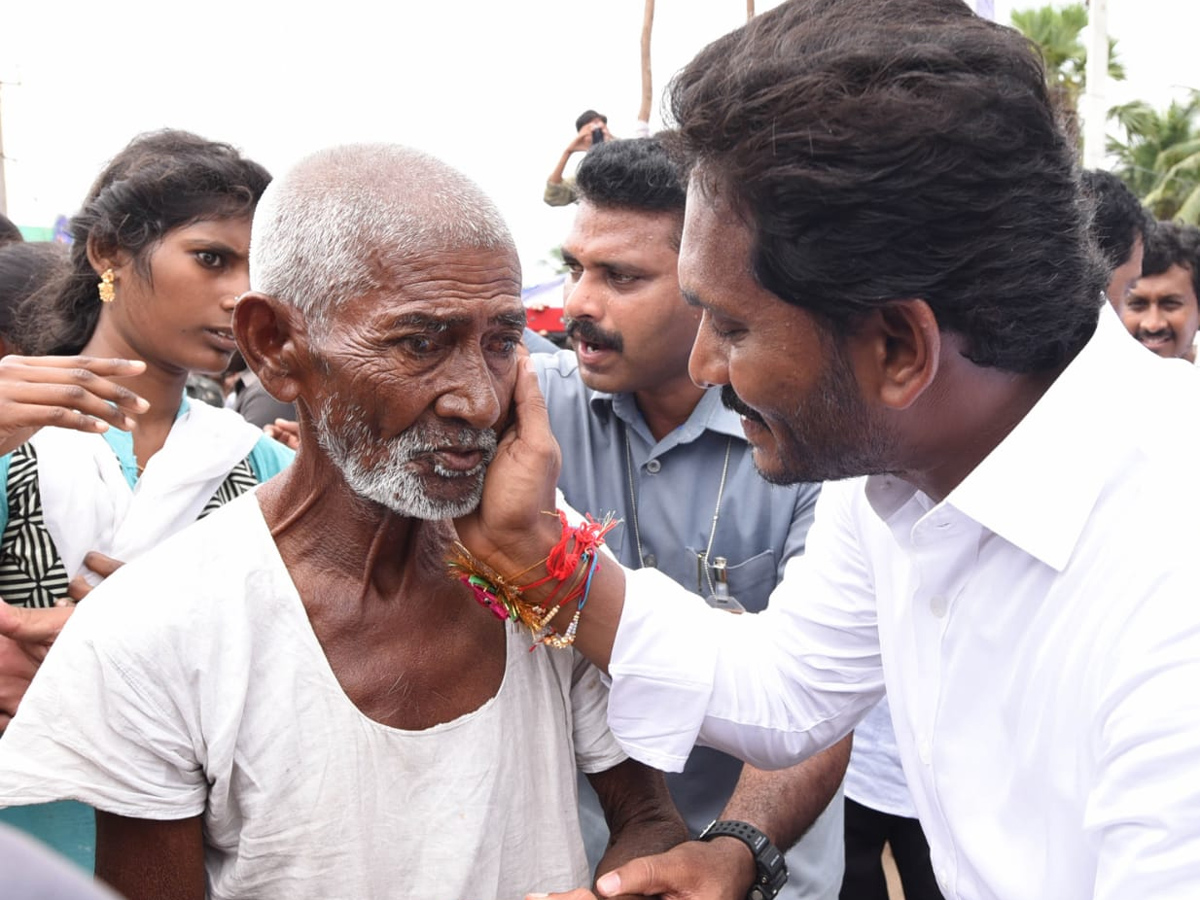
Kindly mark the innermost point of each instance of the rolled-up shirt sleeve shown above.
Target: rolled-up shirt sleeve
(771, 688)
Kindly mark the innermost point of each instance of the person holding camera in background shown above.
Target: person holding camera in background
(591, 128)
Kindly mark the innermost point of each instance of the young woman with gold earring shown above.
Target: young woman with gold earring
(108, 456)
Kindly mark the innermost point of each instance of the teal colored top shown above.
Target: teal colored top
(267, 459)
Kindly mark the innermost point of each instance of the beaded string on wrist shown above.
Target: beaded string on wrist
(572, 564)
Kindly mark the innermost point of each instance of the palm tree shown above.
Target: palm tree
(1058, 34)
(1160, 158)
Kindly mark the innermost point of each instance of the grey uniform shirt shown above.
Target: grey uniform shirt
(675, 482)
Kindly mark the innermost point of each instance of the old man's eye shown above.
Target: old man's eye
(419, 344)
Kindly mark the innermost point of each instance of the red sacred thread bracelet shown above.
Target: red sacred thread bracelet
(572, 562)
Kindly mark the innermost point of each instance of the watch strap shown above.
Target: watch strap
(771, 872)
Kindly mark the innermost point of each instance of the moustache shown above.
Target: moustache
(588, 332)
(732, 401)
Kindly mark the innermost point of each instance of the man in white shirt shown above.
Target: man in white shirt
(883, 231)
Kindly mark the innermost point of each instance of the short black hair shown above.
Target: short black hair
(635, 174)
(587, 115)
(1173, 244)
(908, 149)
(1118, 217)
(638, 174)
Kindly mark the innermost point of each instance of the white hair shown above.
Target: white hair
(319, 229)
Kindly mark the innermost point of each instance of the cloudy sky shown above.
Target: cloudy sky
(490, 87)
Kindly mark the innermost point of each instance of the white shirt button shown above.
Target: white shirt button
(650, 560)
(925, 750)
(653, 466)
(938, 606)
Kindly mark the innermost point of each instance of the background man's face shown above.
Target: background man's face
(631, 329)
(412, 380)
(1161, 311)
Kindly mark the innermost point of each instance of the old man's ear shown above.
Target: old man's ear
(268, 331)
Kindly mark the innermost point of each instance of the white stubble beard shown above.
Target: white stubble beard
(394, 482)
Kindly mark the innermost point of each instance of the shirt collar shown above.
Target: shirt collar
(1038, 487)
(709, 414)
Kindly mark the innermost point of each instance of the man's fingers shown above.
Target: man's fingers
(626, 879)
(689, 871)
(532, 420)
(532, 427)
(664, 873)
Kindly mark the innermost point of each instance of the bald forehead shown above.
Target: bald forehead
(402, 194)
(391, 266)
(464, 290)
(348, 220)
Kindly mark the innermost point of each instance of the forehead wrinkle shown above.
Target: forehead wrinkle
(426, 256)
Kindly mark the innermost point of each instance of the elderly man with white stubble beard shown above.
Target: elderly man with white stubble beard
(299, 701)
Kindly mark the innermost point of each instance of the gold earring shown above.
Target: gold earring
(107, 291)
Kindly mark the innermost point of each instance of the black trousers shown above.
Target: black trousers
(867, 830)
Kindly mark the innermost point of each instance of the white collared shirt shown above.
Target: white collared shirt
(1038, 632)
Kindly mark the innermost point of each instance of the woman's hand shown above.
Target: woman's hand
(67, 392)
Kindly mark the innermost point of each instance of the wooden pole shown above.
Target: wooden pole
(647, 81)
(3, 187)
(749, 10)
(1095, 106)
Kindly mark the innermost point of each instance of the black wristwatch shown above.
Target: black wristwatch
(771, 872)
